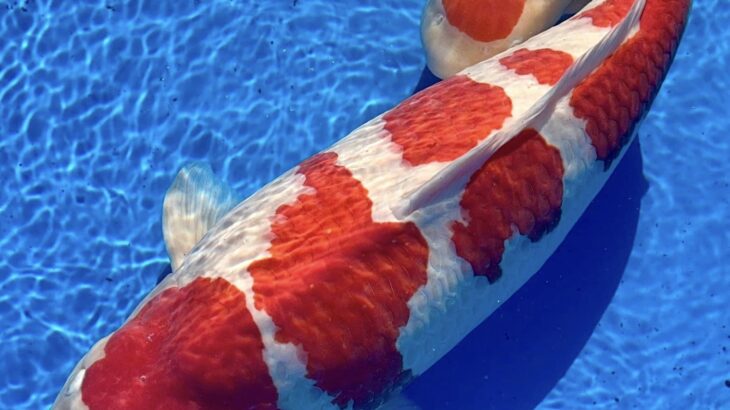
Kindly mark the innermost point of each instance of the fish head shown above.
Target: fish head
(191, 345)
(69, 398)
(459, 33)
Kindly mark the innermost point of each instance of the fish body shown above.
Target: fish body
(323, 290)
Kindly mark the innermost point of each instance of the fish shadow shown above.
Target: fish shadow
(514, 358)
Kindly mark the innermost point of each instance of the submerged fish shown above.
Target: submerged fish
(459, 33)
(357, 270)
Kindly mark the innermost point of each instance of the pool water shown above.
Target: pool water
(101, 102)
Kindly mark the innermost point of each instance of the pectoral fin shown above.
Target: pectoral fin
(195, 201)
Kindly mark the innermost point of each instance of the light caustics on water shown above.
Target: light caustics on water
(269, 276)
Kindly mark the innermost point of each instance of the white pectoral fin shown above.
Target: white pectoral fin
(460, 170)
(195, 201)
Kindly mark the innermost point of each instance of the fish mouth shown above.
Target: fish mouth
(69, 398)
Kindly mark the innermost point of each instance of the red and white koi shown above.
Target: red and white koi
(460, 33)
(354, 272)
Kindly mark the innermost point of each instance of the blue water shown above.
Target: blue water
(101, 102)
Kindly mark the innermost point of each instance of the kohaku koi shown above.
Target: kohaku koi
(339, 281)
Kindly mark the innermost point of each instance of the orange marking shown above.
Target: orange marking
(546, 65)
(446, 120)
(195, 347)
(337, 284)
(522, 186)
(613, 98)
(484, 20)
(608, 14)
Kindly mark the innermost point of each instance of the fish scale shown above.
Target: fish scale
(344, 300)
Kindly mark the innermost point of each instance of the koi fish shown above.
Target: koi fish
(344, 278)
(460, 33)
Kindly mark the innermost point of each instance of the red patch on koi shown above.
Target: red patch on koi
(520, 186)
(609, 13)
(484, 20)
(194, 347)
(613, 98)
(446, 120)
(337, 283)
(546, 65)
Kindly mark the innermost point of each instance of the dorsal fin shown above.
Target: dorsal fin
(195, 201)
(462, 168)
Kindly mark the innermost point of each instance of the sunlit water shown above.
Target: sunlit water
(102, 102)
